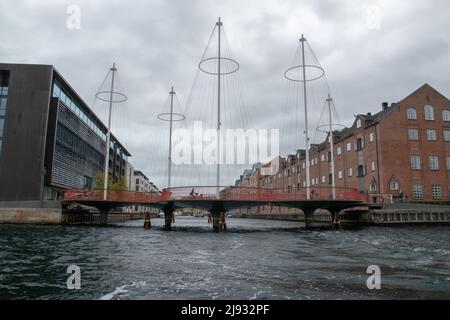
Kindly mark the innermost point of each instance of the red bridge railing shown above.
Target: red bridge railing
(218, 193)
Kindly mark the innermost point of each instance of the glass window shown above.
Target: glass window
(429, 112)
(373, 165)
(340, 174)
(448, 163)
(431, 135)
(411, 113)
(350, 172)
(447, 135)
(56, 91)
(434, 162)
(358, 123)
(436, 192)
(2, 123)
(339, 151)
(371, 137)
(413, 134)
(394, 185)
(446, 115)
(349, 146)
(417, 191)
(415, 162)
(2, 106)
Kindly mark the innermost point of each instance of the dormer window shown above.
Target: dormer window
(358, 123)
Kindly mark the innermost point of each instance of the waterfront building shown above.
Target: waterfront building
(143, 184)
(50, 140)
(402, 151)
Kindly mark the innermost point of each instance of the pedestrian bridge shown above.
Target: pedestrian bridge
(219, 200)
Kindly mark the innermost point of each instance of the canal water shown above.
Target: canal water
(255, 259)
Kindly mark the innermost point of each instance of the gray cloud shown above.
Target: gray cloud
(157, 44)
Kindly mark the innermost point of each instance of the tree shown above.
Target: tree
(119, 185)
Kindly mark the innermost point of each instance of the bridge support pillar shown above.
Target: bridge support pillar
(218, 221)
(309, 213)
(168, 218)
(147, 221)
(335, 218)
(104, 216)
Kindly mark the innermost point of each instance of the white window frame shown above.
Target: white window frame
(411, 113)
(436, 192)
(371, 137)
(445, 115)
(350, 172)
(339, 174)
(429, 112)
(415, 162)
(446, 135)
(349, 147)
(417, 191)
(373, 166)
(413, 134)
(358, 123)
(433, 162)
(431, 135)
(338, 151)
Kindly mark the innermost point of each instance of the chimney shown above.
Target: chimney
(385, 105)
(369, 113)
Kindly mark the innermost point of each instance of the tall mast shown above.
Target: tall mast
(333, 182)
(108, 136)
(302, 40)
(219, 25)
(169, 171)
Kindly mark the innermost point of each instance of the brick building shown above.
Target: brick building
(402, 149)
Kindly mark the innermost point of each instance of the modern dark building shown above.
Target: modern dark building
(50, 140)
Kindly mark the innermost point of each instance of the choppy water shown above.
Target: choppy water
(255, 259)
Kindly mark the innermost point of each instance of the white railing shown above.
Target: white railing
(381, 198)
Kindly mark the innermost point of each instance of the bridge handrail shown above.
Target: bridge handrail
(210, 193)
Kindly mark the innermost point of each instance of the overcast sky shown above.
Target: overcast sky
(372, 51)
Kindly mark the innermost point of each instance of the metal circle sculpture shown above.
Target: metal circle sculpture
(117, 97)
(320, 75)
(326, 127)
(175, 116)
(233, 70)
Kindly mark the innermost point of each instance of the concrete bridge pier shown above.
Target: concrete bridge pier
(168, 218)
(218, 220)
(104, 216)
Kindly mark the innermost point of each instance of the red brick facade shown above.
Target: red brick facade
(375, 154)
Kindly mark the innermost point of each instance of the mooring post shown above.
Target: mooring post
(147, 221)
(104, 216)
(309, 213)
(168, 218)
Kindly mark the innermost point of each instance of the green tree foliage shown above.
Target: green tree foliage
(119, 185)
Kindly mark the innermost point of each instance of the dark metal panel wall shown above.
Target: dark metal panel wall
(22, 157)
